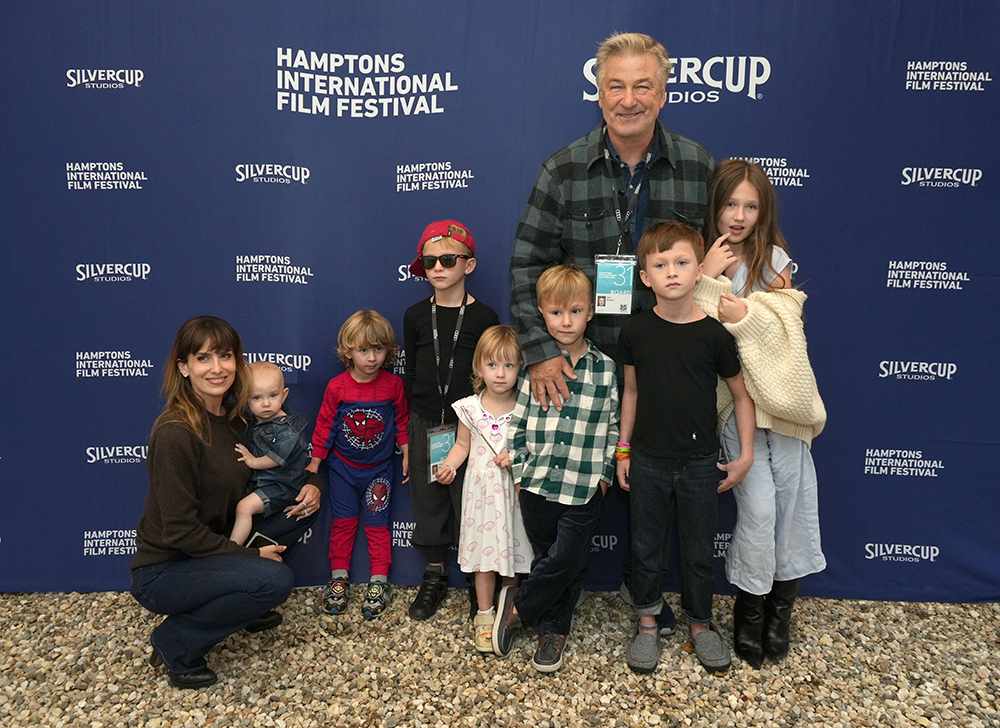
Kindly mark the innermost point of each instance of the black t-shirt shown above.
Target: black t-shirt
(422, 392)
(676, 370)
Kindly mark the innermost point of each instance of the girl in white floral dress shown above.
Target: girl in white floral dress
(492, 538)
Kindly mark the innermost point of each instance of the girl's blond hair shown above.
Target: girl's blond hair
(497, 342)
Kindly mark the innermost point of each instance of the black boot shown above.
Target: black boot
(778, 617)
(748, 628)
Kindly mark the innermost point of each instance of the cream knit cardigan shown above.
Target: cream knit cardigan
(776, 368)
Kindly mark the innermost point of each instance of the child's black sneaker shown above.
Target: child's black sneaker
(432, 592)
(376, 599)
(335, 596)
(548, 656)
(506, 623)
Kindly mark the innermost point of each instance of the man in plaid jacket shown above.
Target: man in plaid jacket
(599, 194)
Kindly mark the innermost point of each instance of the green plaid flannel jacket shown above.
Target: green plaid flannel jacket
(562, 455)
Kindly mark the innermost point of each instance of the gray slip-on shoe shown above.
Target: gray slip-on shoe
(643, 651)
(712, 652)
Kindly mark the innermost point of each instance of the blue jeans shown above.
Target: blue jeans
(560, 536)
(663, 489)
(207, 599)
(284, 530)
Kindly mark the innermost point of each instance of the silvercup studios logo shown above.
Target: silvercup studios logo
(112, 272)
(282, 174)
(703, 80)
(901, 552)
(116, 454)
(941, 176)
(285, 362)
(924, 370)
(103, 78)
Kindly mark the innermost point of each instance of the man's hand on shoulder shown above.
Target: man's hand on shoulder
(548, 382)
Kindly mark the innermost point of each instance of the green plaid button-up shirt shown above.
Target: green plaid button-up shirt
(561, 456)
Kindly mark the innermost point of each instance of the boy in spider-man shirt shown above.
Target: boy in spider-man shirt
(364, 415)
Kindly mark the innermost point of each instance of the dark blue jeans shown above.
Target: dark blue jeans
(284, 530)
(207, 599)
(662, 490)
(560, 536)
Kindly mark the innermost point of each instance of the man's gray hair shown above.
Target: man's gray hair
(637, 44)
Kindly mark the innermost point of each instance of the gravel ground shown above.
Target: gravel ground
(80, 660)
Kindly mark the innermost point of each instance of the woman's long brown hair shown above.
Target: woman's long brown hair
(183, 406)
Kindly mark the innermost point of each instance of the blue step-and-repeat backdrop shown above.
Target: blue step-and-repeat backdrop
(274, 163)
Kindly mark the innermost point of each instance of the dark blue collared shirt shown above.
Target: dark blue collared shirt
(629, 178)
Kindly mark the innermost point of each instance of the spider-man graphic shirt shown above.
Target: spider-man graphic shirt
(361, 422)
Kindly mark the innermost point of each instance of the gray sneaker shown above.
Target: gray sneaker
(643, 651)
(712, 652)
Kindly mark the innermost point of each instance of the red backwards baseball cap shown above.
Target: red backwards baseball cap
(436, 231)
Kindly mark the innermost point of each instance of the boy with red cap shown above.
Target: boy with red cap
(440, 336)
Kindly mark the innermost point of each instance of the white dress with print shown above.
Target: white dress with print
(492, 536)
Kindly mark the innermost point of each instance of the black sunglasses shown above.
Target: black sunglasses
(448, 260)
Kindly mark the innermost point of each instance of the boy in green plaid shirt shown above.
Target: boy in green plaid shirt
(562, 462)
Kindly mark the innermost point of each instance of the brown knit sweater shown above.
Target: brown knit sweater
(193, 491)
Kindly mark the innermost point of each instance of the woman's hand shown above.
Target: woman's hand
(718, 258)
(306, 504)
(272, 552)
(732, 308)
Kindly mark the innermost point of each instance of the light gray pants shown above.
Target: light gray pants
(776, 537)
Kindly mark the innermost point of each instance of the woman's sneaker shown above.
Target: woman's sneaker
(376, 599)
(335, 596)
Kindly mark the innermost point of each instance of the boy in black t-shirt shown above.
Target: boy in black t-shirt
(668, 457)
(440, 336)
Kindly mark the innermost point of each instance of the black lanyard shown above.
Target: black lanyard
(443, 389)
(623, 222)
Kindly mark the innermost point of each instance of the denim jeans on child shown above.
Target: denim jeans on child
(664, 490)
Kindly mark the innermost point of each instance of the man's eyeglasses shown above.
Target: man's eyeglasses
(448, 260)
